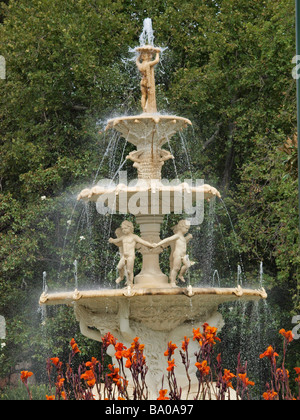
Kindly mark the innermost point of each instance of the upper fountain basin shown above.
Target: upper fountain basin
(146, 130)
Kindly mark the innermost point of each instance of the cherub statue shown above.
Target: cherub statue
(179, 260)
(127, 242)
(146, 65)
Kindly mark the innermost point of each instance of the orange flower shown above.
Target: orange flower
(119, 347)
(60, 382)
(197, 335)
(128, 364)
(135, 341)
(288, 335)
(171, 365)
(162, 395)
(55, 361)
(171, 348)
(108, 339)
(25, 375)
(208, 336)
(92, 364)
(74, 346)
(203, 368)
(185, 344)
(245, 380)
(89, 377)
(270, 395)
(227, 378)
(114, 373)
(50, 397)
(270, 353)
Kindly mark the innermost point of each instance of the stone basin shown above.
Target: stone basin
(146, 130)
(157, 316)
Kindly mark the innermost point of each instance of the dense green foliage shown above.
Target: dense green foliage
(227, 67)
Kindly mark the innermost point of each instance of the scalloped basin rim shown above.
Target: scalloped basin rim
(222, 294)
(156, 118)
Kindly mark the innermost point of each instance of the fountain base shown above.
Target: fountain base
(156, 315)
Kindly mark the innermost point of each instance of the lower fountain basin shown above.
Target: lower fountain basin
(157, 316)
(159, 309)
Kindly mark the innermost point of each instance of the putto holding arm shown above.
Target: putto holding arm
(127, 242)
(179, 260)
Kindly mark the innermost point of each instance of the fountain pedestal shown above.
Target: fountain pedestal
(151, 275)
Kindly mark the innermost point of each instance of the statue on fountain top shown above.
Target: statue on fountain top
(145, 64)
(127, 242)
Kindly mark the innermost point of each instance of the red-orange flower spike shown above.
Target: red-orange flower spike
(288, 335)
(74, 346)
(210, 334)
(227, 378)
(108, 339)
(197, 335)
(203, 368)
(50, 397)
(25, 375)
(92, 364)
(55, 361)
(185, 344)
(270, 395)
(60, 382)
(270, 353)
(128, 364)
(171, 365)
(171, 348)
(89, 377)
(114, 373)
(162, 395)
(245, 380)
(119, 347)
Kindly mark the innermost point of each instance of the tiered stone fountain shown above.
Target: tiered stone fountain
(151, 306)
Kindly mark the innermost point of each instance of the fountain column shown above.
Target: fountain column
(151, 275)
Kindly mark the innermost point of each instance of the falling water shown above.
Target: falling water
(69, 223)
(43, 309)
(45, 287)
(236, 238)
(239, 276)
(147, 36)
(76, 273)
(111, 146)
(261, 274)
(187, 155)
(173, 160)
(216, 276)
(225, 250)
(210, 249)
